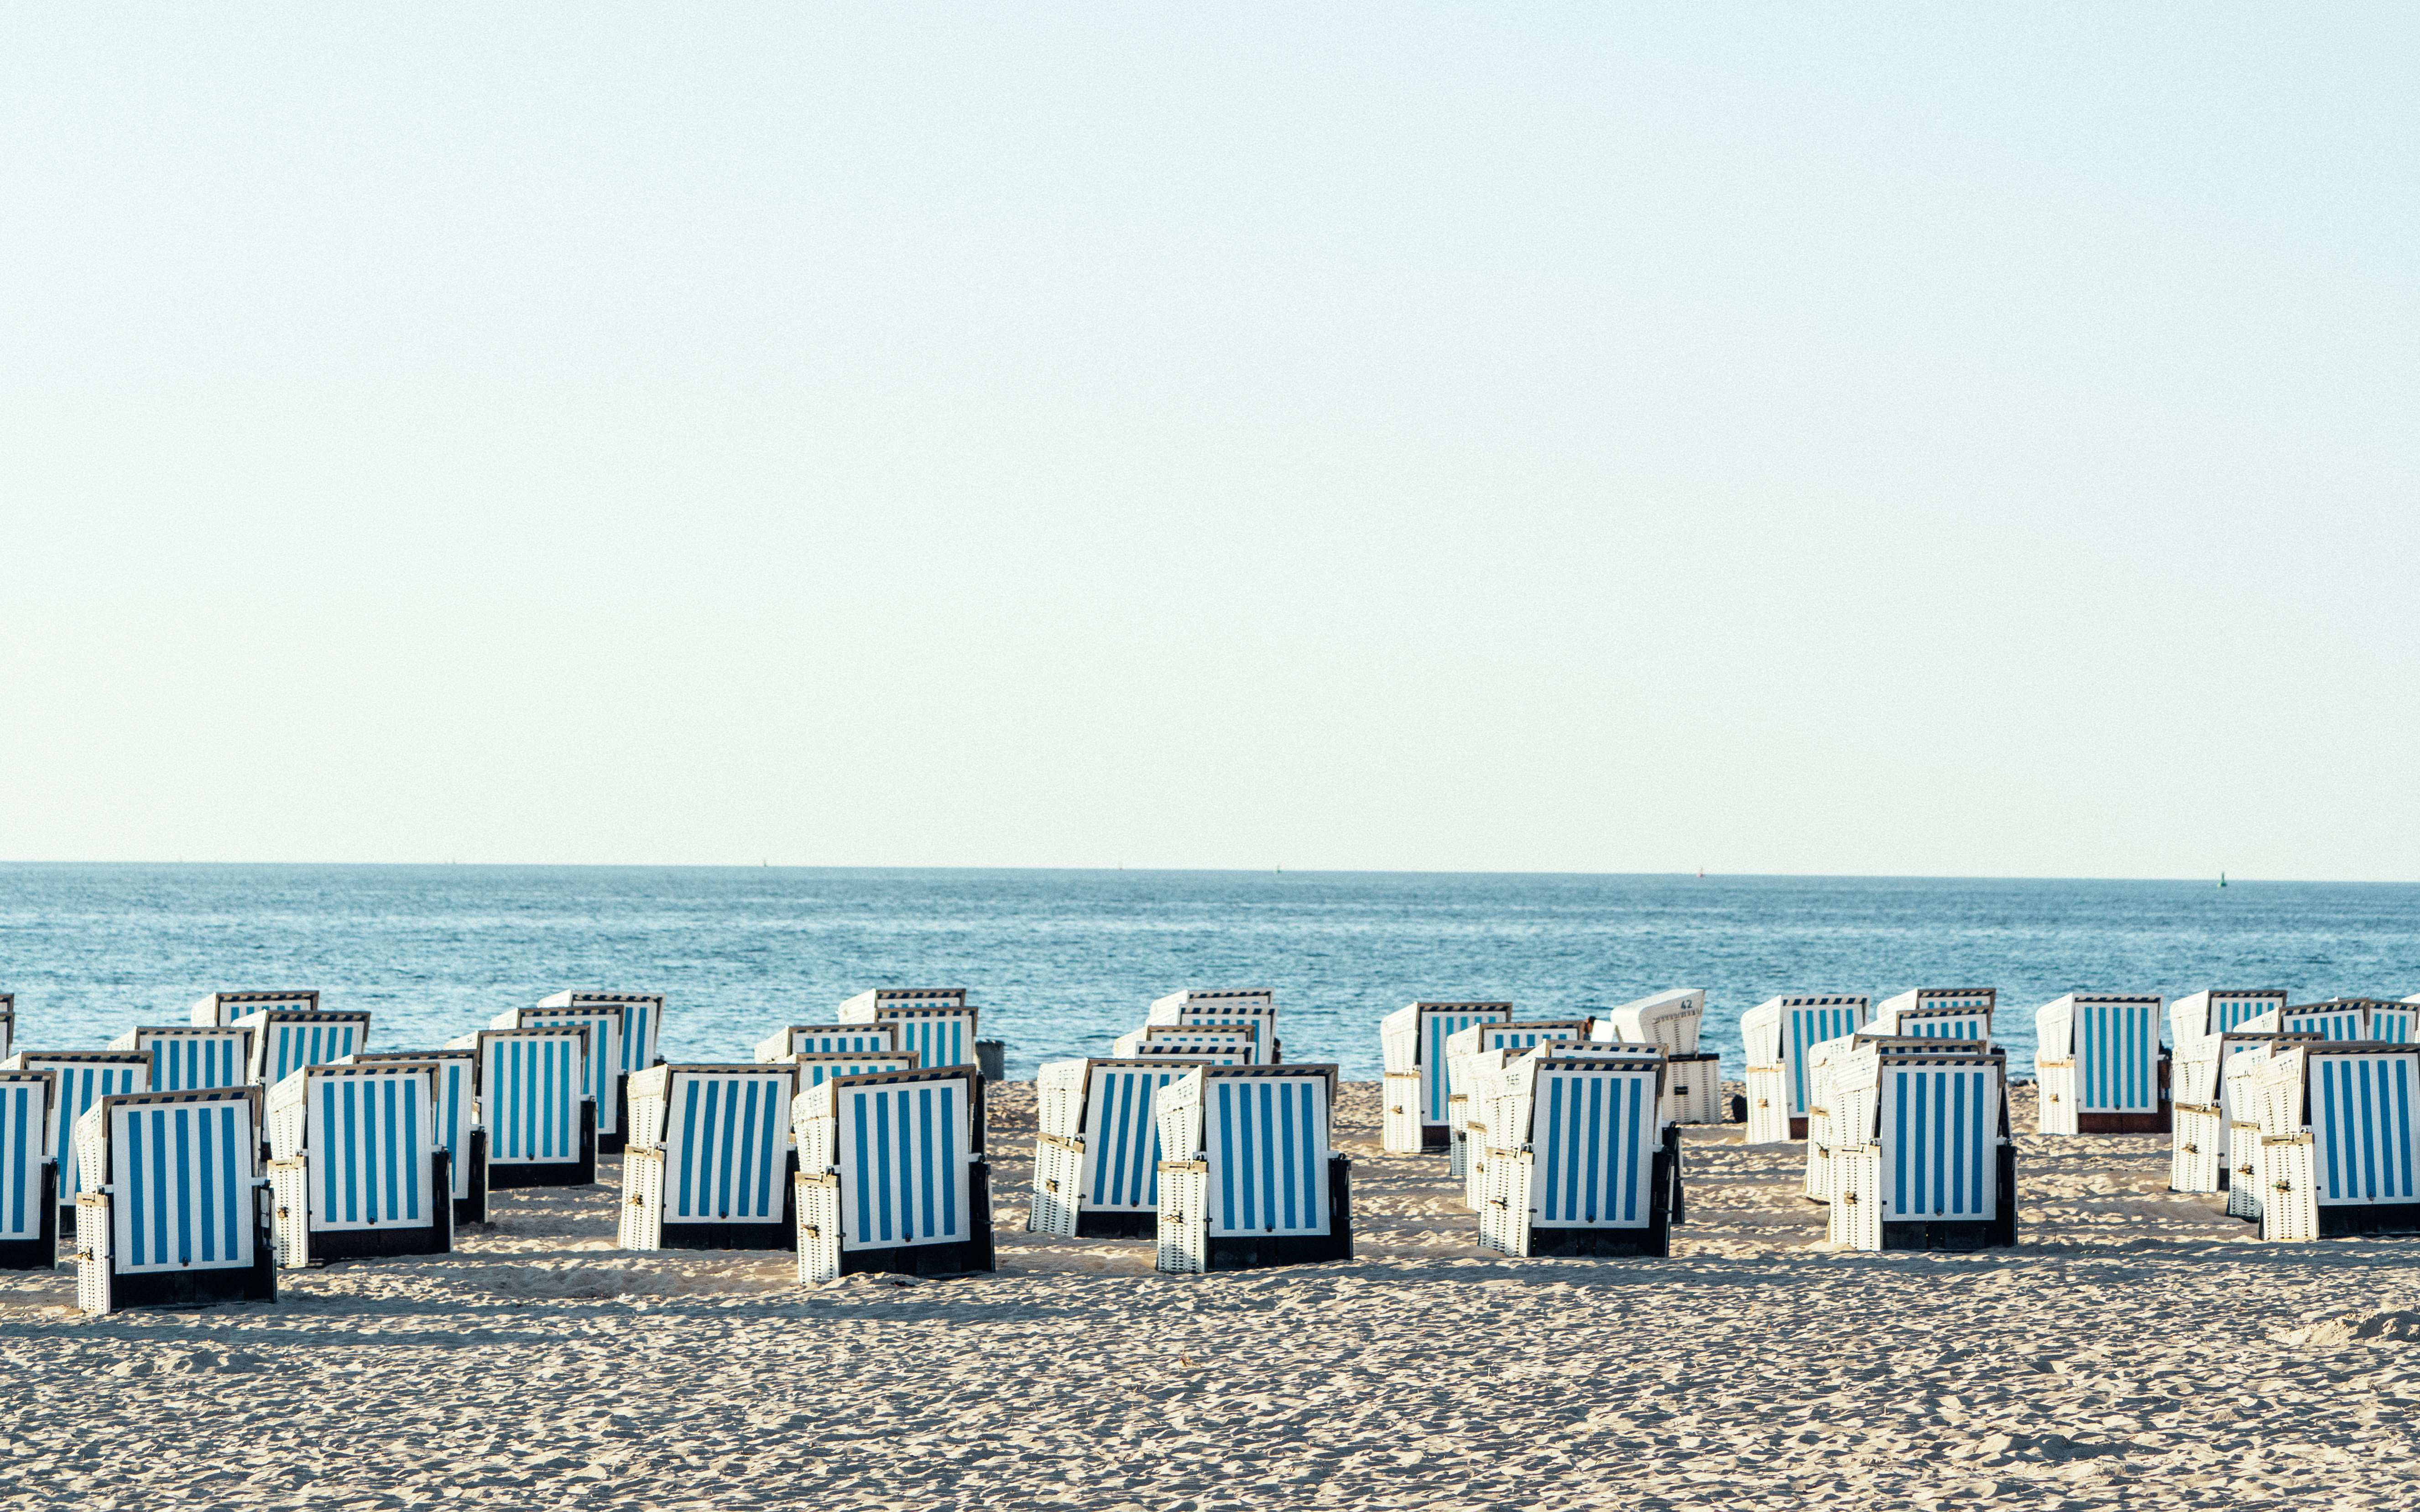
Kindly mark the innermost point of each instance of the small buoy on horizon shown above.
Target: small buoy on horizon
(2222, 879)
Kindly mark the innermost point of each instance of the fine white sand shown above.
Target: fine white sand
(2139, 1348)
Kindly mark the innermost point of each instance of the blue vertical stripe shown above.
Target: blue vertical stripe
(1554, 1147)
(864, 1159)
(1226, 1158)
(950, 1185)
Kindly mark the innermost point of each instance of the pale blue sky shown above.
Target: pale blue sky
(1777, 438)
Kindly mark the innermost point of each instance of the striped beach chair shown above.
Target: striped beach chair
(2099, 1066)
(541, 1122)
(286, 1040)
(215, 1010)
(2352, 1018)
(891, 1175)
(356, 1167)
(827, 1040)
(2217, 1011)
(607, 1082)
(29, 1174)
(1578, 1159)
(1937, 1014)
(1096, 1155)
(460, 1127)
(642, 1021)
(1670, 1020)
(85, 1077)
(1479, 1074)
(2338, 1139)
(1418, 1084)
(937, 1023)
(1777, 1033)
(2205, 1109)
(816, 1070)
(1248, 1174)
(187, 1058)
(1225, 1005)
(710, 1159)
(1227, 1045)
(1926, 1159)
(7, 1025)
(178, 1213)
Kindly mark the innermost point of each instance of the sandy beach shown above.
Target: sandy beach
(2139, 1348)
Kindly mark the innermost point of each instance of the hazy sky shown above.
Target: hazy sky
(1851, 439)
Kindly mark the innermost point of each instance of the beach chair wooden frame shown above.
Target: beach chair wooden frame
(286, 1040)
(84, 1077)
(214, 1011)
(187, 1058)
(178, 1217)
(607, 1082)
(1928, 1161)
(827, 1040)
(1776, 1034)
(2339, 1145)
(1579, 1160)
(2099, 1066)
(1248, 1176)
(643, 1021)
(891, 1175)
(1413, 1041)
(542, 1126)
(1096, 1155)
(711, 1159)
(29, 1173)
(2204, 1106)
(357, 1168)
(460, 1125)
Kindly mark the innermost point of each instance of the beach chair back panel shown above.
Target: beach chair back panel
(1122, 1137)
(1594, 1131)
(191, 1059)
(1437, 1027)
(1803, 1029)
(532, 1085)
(2232, 1012)
(727, 1146)
(286, 1043)
(816, 1072)
(1667, 1020)
(81, 1086)
(942, 1036)
(24, 1117)
(183, 1176)
(1526, 1036)
(2391, 1024)
(903, 1158)
(2360, 1107)
(1929, 1025)
(369, 1134)
(1942, 1125)
(1268, 1142)
(604, 1055)
(2333, 1021)
(849, 1040)
(2118, 1056)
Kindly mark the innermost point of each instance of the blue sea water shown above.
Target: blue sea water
(1063, 962)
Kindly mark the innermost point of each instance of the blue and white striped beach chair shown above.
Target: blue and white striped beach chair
(1671, 1021)
(178, 1215)
(29, 1174)
(460, 1127)
(827, 1040)
(1096, 1155)
(356, 1165)
(187, 1058)
(1579, 1160)
(85, 1077)
(1937, 1014)
(709, 1163)
(1231, 1044)
(1925, 1159)
(642, 1021)
(1777, 1033)
(2340, 1149)
(2099, 1067)
(1418, 1088)
(1248, 1176)
(1224, 1005)
(7, 1025)
(285, 1040)
(608, 1084)
(937, 1023)
(2217, 1011)
(532, 1089)
(891, 1175)
(2353, 1018)
(216, 1010)
(2206, 1111)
